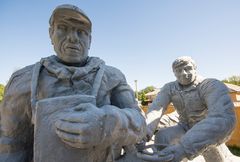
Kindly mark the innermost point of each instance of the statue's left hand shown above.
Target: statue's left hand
(176, 150)
(172, 153)
(82, 127)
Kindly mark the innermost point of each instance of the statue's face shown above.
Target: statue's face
(185, 74)
(71, 40)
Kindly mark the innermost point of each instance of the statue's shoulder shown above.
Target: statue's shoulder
(211, 81)
(170, 85)
(113, 72)
(23, 71)
(212, 84)
(113, 77)
(21, 76)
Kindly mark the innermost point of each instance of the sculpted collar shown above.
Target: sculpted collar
(63, 71)
(198, 80)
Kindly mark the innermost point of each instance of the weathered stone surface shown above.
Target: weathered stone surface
(71, 107)
(206, 116)
(48, 112)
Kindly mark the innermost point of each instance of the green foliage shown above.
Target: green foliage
(1, 92)
(148, 89)
(141, 94)
(142, 98)
(235, 150)
(233, 80)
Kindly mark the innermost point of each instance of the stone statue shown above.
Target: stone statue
(206, 117)
(68, 107)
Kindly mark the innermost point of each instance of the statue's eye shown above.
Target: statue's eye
(82, 32)
(188, 68)
(178, 70)
(62, 27)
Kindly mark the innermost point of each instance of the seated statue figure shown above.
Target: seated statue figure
(68, 107)
(206, 117)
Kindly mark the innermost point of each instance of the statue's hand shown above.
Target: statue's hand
(172, 153)
(82, 127)
(154, 157)
(176, 150)
(150, 153)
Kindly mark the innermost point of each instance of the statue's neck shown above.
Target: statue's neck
(79, 64)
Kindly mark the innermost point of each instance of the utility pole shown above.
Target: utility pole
(136, 90)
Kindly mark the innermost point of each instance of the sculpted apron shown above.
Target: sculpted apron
(48, 147)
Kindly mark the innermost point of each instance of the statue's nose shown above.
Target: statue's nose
(73, 37)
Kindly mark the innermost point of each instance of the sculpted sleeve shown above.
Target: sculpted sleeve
(131, 126)
(219, 121)
(157, 109)
(16, 129)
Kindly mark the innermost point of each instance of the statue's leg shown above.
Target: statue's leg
(166, 136)
(169, 135)
(220, 154)
(213, 154)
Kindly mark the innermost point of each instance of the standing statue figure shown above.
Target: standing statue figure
(206, 116)
(68, 107)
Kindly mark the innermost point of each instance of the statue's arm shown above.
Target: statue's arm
(218, 124)
(16, 129)
(130, 124)
(157, 109)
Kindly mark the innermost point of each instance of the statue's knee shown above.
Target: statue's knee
(169, 136)
(161, 137)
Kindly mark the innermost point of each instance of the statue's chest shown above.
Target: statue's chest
(51, 86)
(189, 104)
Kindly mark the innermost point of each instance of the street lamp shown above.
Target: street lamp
(136, 90)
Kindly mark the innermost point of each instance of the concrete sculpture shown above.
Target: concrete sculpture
(206, 117)
(68, 107)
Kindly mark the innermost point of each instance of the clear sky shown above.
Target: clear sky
(140, 37)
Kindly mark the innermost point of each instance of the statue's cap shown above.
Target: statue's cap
(68, 10)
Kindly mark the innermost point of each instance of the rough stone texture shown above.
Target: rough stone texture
(48, 112)
(70, 107)
(206, 116)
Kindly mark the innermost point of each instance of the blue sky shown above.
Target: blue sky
(140, 37)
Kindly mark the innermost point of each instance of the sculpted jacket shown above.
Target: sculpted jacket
(57, 79)
(205, 111)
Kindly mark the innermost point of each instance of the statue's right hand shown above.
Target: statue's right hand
(82, 127)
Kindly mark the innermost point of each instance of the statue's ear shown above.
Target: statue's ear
(50, 30)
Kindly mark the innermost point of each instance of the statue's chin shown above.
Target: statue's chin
(185, 82)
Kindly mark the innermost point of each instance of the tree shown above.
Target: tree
(142, 98)
(141, 94)
(1, 92)
(233, 80)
